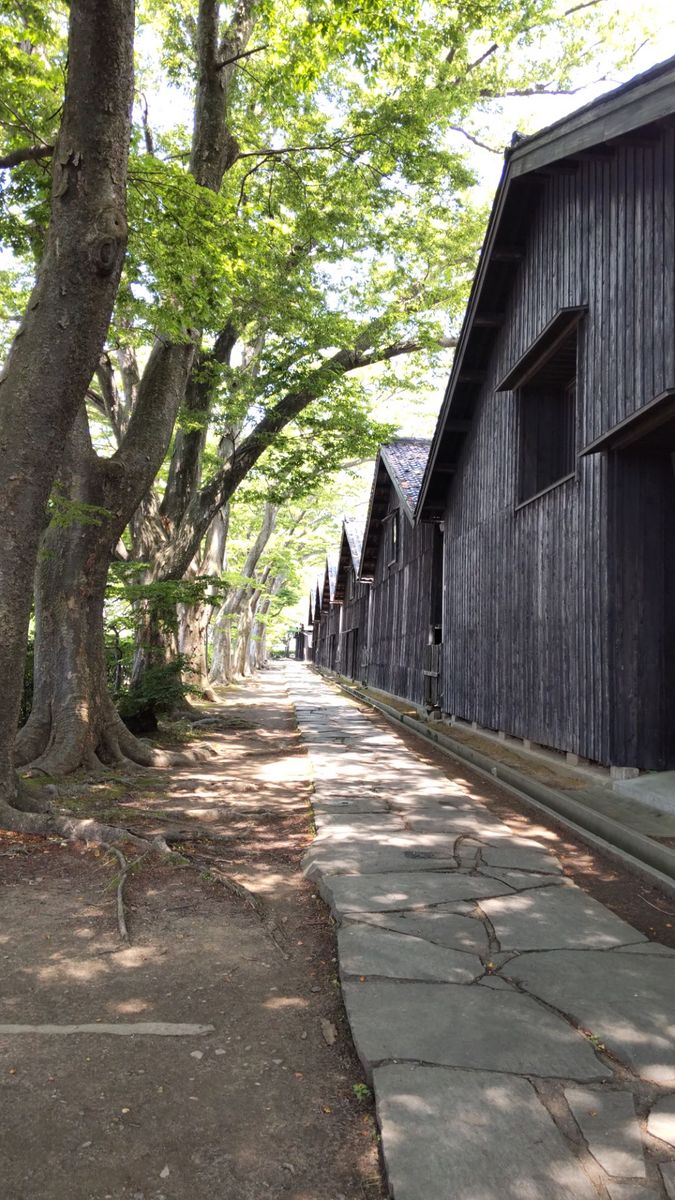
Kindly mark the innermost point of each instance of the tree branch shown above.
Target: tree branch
(25, 154)
(243, 54)
(476, 141)
(174, 559)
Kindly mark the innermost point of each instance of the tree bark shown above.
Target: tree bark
(58, 346)
(194, 619)
(223, 668)
(124, 479)
(73, 721)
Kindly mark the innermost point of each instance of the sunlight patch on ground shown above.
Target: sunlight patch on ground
(282, 770)
(286, 1002)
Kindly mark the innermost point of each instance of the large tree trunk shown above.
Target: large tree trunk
(194, 619)
(222, 669)
(193, 623)
(73, 721)
(59, 344)
(125, 478)
(223, 666)
(243, 658)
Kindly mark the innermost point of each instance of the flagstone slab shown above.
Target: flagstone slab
(324, 809)
(442, 929)
(398, 890)
(465, 1135)
(631, 1189)
(661, 1120)
(519, 853)
(608, 1122)
(359, 858)
(460, 820)
(522, 881)
(495, 982)
(647, 948)
(556, 918)
(344, 827)
(470, 1027)
(623, 1001)
(366, 950)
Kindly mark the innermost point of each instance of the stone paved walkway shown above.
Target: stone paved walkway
(520, 1038)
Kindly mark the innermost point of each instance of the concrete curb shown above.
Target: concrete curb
(654, 863)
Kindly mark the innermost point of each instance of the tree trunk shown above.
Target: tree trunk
(73, 721)
(58, 346)
(127, 476)
(193, 623)
(243, 664)
(194, 620)
(223, 668)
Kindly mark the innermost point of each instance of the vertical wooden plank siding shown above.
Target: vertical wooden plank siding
(557, 615)
(354, 626)
(401, 611)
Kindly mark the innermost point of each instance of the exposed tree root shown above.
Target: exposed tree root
(121, 918)
(126, 867)
(254, 902)
(60, 746)
(24, 812)
(46, 822)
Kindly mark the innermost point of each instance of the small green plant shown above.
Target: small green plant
(361, 1091)
(159, 690)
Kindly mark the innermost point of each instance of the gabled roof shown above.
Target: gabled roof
(354, 530)
(316, 593)
(643, 101)
(401, 464)
(349, 556)
(328, 585)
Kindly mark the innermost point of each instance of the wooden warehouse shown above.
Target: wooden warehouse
(315, 619)
(551, 472)
(401, 561)
(327, 619)
(352, 594)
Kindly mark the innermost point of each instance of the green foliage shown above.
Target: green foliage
(128, 592)
(160, 690)
(64, 512)
(32, 71)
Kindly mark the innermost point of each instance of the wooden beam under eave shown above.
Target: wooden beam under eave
(488, 320)
(471, 377)
(456, 426)
(568, 166)
(507, 254)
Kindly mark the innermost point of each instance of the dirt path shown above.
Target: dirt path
(261, 1106)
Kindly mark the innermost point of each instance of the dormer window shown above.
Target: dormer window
(547, 408)
(545, 385)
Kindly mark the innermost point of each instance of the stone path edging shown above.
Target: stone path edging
(641, 854)
(517, 1034)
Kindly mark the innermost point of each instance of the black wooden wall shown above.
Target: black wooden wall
(401, 611)
(354, 637)
(558, 615)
